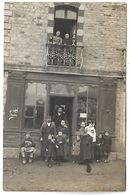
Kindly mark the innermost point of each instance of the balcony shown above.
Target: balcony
(64, 55)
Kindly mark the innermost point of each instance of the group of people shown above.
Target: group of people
(88, 146)
(54, 140)
(57, 39)
(55, 143)
(62, 51)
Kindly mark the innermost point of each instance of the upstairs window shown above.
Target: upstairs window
(65, 21)
(62, 49)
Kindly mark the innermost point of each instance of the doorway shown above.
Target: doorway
(67, 104)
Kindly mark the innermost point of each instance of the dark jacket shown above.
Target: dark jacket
(107, 143)
(99, 147)
(64, 130)
(58, 118)
(50, 149)
(45, 131)
(86, 148)
(60, 141)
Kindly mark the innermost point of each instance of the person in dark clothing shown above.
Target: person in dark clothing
(27, 149)
(60, 141)
(87, 150)
(107, 145)
(50, 150)
(65, 133)
(47, 128)
(67, 40)
(59, 116)
(99, 148)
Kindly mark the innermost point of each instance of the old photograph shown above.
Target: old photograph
(64, 96)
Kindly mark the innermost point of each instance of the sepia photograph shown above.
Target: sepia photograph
(64, 99)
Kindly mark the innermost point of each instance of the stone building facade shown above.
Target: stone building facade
(86, 78)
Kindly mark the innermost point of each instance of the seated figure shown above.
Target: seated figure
(27, 149)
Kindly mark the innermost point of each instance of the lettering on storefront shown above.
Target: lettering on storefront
(13, 113)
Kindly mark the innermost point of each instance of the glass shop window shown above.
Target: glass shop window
(65, 21)
(87, 105)
(35, 98)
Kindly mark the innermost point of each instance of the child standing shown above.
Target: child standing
(99, 148)
(50, 150)
(107, 145)
(76, 149)
(65, 132)
(60, 141)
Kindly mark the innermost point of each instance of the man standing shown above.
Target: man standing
(59, 116)
(47, 128)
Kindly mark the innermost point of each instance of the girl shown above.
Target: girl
(99, 148)
(60, 141)
(65, 132)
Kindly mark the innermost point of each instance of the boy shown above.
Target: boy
(50, 150)
(27, 149)
(107, 146)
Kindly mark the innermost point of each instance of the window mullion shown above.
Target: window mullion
(34, 117)
(65, 13)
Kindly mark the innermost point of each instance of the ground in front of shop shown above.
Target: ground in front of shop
(66, 177)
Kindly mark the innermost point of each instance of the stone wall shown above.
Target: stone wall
(103, 35)
(120, 127)
(5, 87)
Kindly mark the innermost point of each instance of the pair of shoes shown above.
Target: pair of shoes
(30, 160)
(49, 165)
(88, 169)
(106, 161)
(24, 161)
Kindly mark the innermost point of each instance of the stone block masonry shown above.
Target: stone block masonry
(104, 32)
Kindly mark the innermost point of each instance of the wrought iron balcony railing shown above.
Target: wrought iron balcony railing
(64, 55)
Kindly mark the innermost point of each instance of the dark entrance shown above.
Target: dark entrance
(67, 104)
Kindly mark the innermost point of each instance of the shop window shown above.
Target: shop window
(87, 105)
(35, 98)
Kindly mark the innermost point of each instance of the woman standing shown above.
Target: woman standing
(87, 146)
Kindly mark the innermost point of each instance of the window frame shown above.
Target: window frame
(66, 8)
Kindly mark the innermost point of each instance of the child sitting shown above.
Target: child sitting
(27, 149)
(60, 141)
(99, 148)
(76, 149)
(50, 150)
(107, 145)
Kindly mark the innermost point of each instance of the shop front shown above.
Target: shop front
(31, 97)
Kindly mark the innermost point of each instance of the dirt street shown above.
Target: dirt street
(66, 177)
